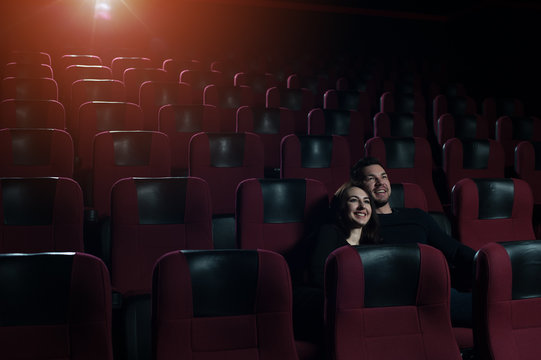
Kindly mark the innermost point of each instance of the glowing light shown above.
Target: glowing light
(102, 10)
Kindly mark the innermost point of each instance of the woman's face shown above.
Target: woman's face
(358, 207)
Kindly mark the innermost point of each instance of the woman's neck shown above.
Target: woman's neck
(355, 236)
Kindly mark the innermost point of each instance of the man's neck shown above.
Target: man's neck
(384, 209)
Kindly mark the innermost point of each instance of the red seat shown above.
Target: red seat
(155, 94)
(32, 114)
(29, 89)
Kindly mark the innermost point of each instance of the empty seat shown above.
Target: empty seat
(29, 89)
(79, 72)
(350, 100)
(512, 130)
(346, 123)
(121, 63)
(407, 160)
(32, 114)
(121, 154)
(528, 166)
(77, 59)
(134, 77)
(174, 67)
(299, 101)
(494, 108)
(180, 123)
(324, 158)
(507, 293)
(399, 125)
(472, 159)
(222, 304)
(407, 195)
(150, 217)
(155, 94)
(392, 309)
(22, 70)
(403, 103)
(35, 153)
(29, 57)
(464, 127)
(92, 90)
(259, 82)
(228, 99)
(41, 214)
(317, 84)
(492, 210)
(457, 105)
(198, 80)
(224, 160)
(271, 125)
(59, 307)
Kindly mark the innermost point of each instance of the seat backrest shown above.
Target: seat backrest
(347, 123)
(59, 307)
(491, 210)
(121, 63)
(494, 108)
(92, 90)
(510, 130)
(150, 217)
(180, 123)
(397, 308)
(407, 160)
(324, 158)
(73, 73)
(401, 103)
(224, 160)
(97, 116)
(40, 214)
(32, 114)
(528, 166)
(174, 67)
(350, 100)
(23, 70)
(408, 195)
(134, 77)
(464, 127)
(259, 82)
(121, 154)
(155, 94)
(399, 125)
(472, 159)
(29, 89)
(271, 124)
(228, 303)
(199, 79)
(36, 153)
(228, 99)
(506, 298)
(457, 105)
(29, 57)
(279, 215)
(299, 101)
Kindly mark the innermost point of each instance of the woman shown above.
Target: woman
(353, 222)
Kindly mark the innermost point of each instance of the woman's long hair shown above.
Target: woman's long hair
(370, 232)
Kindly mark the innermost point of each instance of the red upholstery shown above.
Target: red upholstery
(317, 85)
(346, 123)
(494, 108)
(73, 73)
(150, 217)
(29, 89)
(199, 79)
(368, 317)
(155, 94)
(22, 70)
(29, 57)
(299, 101)
(512, 130)
(456, 105)
(77, 59)
(95, 117)
(134, 77)
(407, 160)
(224, 160)
(32, 114)
(40, 214)
(180, 123)
(396, 102)
(92, 90)
(399, 125)
(121, 63)
(59, 307)
(174, 67)
(472, 159)
(526, 157)
(35, 152)
(259, 82)
(350, 100)
(508, 321)
(121, 154)
(228, 99)
(324, 158)
(491, 210)
(271, 125)
(408, 195)
(246, 317)
(469, 126)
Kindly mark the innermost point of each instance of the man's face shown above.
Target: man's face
(376, 181)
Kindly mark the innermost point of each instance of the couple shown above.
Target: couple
(354, 222)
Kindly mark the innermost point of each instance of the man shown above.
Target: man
(404, 225)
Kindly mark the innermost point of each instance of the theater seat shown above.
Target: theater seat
(225, 304)
(507, 292)
(59, 307)
(392, 309)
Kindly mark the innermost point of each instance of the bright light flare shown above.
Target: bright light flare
(102, 10)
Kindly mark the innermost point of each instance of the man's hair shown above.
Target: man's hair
(356, 172)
